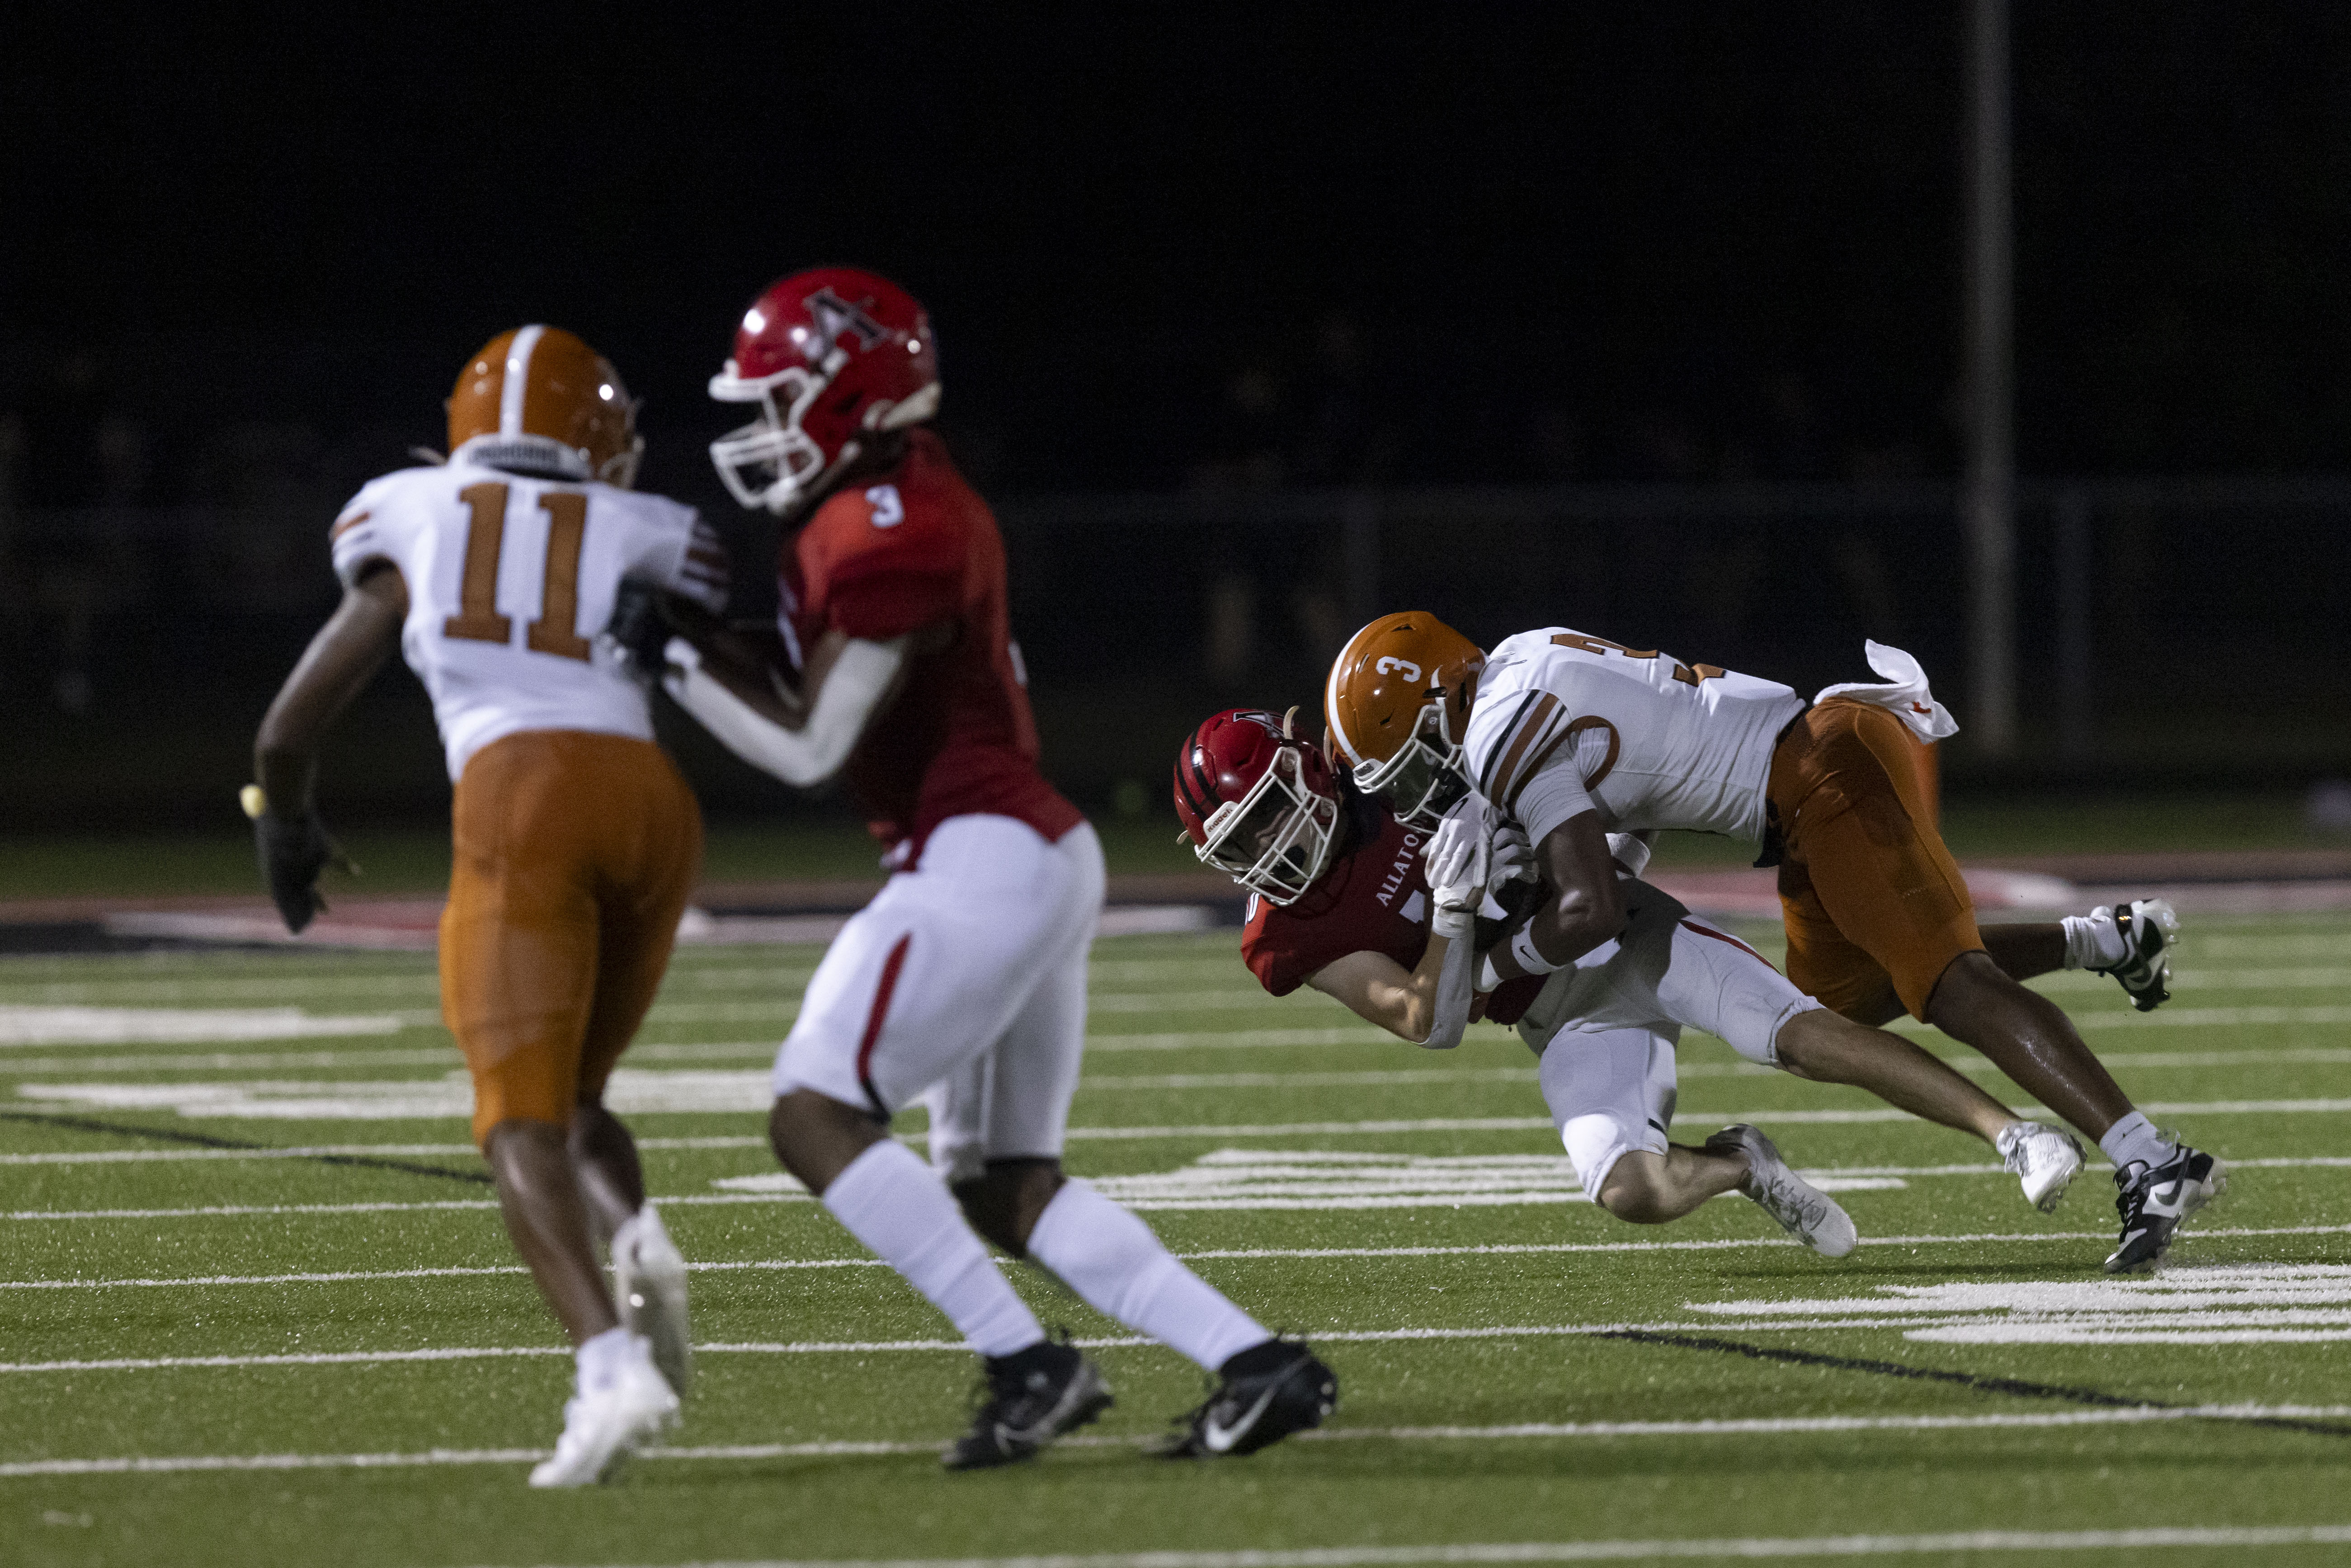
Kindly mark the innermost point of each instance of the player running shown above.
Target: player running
(1343, 903)
(962, 985)
(1573, 736)
(576, 840)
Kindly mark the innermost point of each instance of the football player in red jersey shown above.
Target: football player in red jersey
(1383, 914)
(962, 985)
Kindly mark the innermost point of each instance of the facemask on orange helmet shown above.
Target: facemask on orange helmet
(1398, 703)
(538, 399)
(1257, 803)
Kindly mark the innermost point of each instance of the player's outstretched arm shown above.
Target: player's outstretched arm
(341, 660)
(802, 738)
(1404, 1002)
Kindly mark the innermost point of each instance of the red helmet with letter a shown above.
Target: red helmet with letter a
(1257, 803)
(1398, 705)
(833, 356)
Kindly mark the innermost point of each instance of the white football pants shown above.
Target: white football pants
(1606, 1028)
(962, 985)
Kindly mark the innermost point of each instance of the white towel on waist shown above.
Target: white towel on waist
(1907, 695)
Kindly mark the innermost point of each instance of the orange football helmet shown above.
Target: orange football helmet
(1397, 704)
(538, 399)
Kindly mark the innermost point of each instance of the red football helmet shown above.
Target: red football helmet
(1257, 803)
(849, 352)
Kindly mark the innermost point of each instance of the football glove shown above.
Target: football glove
(1512, 860)
(292, 854)
(636, 634)
(1457, 858)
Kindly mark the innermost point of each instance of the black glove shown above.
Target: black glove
(639, 631)
(292, 855)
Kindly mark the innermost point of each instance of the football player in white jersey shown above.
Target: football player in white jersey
(576, 840)
(1573, 736)
(1353, 903)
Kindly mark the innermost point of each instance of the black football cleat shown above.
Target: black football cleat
(2155, 1199)
(1032, 1396)
(1265, 1394)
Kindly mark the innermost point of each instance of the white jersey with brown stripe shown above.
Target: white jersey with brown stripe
(1655, 743)
(510, 578)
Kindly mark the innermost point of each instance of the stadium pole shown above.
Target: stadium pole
(1987, 489)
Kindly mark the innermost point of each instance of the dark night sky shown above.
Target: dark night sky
(1572, 241)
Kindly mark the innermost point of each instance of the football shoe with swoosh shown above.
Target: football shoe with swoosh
(2155, 1200)
(2148, 926)
(1031, 1398)
(1262, 1394)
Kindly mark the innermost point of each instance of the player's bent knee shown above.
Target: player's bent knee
(1634, 1189)
(816, 1137)
(1004, 1202)
(522, 1150)
(1972, 980)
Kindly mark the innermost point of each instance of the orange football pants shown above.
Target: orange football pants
(1876, 906)
(574, 854)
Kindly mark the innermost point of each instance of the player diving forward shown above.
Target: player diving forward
(1343, 903)
(1573, 736)
(962, 985)
(576, 840)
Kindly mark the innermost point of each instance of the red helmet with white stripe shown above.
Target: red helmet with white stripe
(1257, 803)
(833, 356)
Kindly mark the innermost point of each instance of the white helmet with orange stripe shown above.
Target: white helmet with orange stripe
(1397, 702)
(538, 399)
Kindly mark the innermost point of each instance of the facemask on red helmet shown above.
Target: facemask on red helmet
(832, 356)
(1257, 803)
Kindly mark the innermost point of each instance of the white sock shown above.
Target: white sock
(2134, 1138)
(1112, 1260)
(889, 1200)
(599, 1358)
(2094, 941)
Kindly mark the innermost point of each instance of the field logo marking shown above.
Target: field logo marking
(2217, 1304)
(1271, 1179)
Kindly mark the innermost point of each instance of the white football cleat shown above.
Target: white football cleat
(602, 1428)
(2147, 928)
(2044, 1158)
(1804, 1211)
(649, 1288)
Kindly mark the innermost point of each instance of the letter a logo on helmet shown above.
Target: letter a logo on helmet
(832, 357)
(1398, 703)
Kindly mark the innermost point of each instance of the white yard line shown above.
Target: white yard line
(1213, 1254)
(2178, 1016)
(168, 1464)
(928, 1346)
(1749, 1546)
(355, 1275)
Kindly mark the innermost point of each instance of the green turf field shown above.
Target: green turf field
(830, 843)
(216, 1354)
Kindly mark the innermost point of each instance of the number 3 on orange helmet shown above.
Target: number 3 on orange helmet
(1397, 702)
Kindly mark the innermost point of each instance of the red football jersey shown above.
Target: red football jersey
(1374, 899)
(914, 547)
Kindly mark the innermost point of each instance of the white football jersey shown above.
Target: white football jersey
(1565, 724)
(509, 580)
